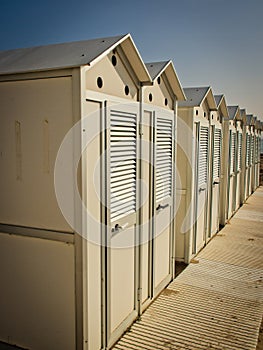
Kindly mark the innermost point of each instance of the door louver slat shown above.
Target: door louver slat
(123, 132)
(203, 156)
(164, 151)
(217, 154)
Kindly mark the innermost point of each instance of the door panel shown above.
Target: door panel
(201, 188)
(121, 263)
(122, 284)
(232, 152)
(163, 186)
(216, 181)
(162, 245)
(146, 199)
(248, 159)
(238, 168)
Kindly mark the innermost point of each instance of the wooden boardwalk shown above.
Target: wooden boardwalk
(217, 301)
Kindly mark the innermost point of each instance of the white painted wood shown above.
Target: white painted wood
(37, 293)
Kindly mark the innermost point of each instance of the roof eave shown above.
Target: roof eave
(174, 81)
(210, 99)
(223, 107)
(131, 51)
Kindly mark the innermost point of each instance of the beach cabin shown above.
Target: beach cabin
(192, 183)
(70, 202)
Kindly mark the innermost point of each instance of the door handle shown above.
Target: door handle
(118, 228)
(201, 189)
(162, 207)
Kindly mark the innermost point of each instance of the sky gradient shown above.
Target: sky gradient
(211, 42)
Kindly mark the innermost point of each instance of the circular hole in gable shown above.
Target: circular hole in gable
(114, 60)
(99, 82)
(159, 80)
(150, 97)
(166, 102)
(126, 90)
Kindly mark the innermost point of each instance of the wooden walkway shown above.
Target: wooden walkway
(217, 301)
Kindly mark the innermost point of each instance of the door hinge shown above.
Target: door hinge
(140, 129)
(139, 294)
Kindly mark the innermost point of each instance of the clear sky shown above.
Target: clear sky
(211, 42)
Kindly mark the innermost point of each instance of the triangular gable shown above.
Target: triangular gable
(222, 106)
(249, 119)
(234, 112)
(156, 69)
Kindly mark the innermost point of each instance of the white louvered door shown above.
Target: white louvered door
(122, 170)
(217, 155)
(238, 169)
(249, 160)
(233, 154)
(164, 193)
(252, 156)
(216, 181)
(232, 165)
(252, 163)
(202, 186)
(247, 175)
(239, 156)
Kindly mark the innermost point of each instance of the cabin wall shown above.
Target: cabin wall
(37, 293)
(158, 94)
(40, 262)
(35, 116)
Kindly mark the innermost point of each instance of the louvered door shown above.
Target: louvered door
(217, 155)
(252, 156)
(232, 173)
(233, 153)
(122, 172)
(248, 156)
(253, 161)
(248, 150)
(238, 170)
(164, 192)
(239, 155)
(215, 182)
(201, 186)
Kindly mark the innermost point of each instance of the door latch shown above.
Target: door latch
(118, 228)
(201, 189)
(162, 207)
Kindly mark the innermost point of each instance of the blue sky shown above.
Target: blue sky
(211, 42)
